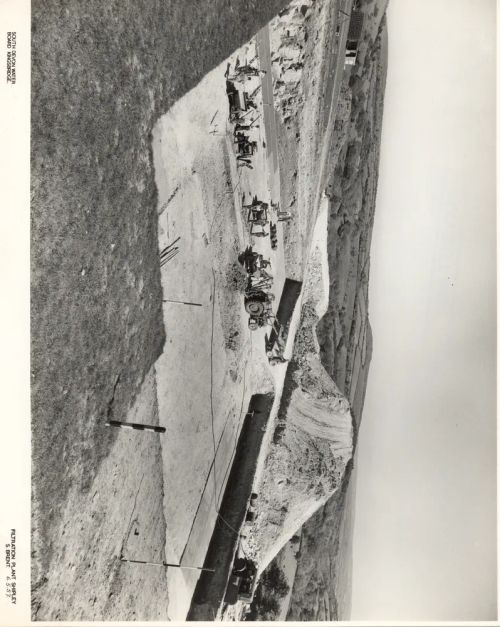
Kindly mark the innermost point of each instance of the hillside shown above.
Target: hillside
(312, 439)
(321, 589)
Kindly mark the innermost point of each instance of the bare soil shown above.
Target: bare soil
(102, 73)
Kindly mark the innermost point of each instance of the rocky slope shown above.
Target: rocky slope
(313, 432)
(321, 589)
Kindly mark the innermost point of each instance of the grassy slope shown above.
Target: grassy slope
(317, 580)
(102, 73)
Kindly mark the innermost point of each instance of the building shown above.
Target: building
(353, 37)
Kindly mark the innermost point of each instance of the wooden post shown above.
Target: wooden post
(181, 302)
(167, 564)
(134, 425)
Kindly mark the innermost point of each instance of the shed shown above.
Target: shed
(353, 37)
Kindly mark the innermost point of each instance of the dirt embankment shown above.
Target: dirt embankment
(312, 438)
(321, 589)
(311, 446)
(344, 330)
(313, 434)
(102, 74)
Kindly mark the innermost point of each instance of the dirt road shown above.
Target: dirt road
(264, 52)
(333, 85)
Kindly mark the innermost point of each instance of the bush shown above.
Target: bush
(274, 580)
(272, 587)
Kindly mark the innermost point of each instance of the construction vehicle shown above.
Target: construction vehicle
(242, 70)
(258, 298)
(258, 304)
(245, 147)
(255, 265)
(243, 578)
(258, 218)
(237, 100)
(252, 261)
(258, 204)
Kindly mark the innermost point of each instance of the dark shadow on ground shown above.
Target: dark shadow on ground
(289, 296)
(211, 587)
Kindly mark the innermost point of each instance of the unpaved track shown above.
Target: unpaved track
(264, 50)
(333, 86)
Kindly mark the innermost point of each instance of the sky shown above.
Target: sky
(425, 526)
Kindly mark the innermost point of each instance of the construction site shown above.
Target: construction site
(243, 429)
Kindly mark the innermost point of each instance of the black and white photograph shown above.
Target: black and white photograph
(258, 300)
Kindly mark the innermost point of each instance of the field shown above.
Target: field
(102, 74)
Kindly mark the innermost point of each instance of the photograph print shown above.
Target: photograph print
(263, 310)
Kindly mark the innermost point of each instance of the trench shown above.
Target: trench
(211, 586)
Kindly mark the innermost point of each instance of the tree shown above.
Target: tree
(268, 608)
(272, 587)
(274, 580)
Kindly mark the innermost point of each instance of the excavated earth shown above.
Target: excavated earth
(340, 334)
(307, 486)
(312, 439)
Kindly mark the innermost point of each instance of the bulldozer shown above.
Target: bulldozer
(238, 100)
